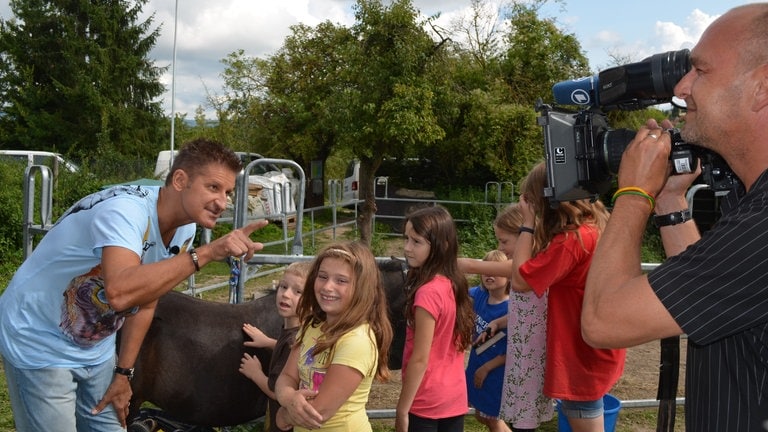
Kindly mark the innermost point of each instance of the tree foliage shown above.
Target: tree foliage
(76, 77)
(389, 104)
(488, 92)
(539, 55)
(305, 84)
(393, 86)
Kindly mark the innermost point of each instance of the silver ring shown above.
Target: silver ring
(654, 136)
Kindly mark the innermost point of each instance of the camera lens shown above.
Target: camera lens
(613, 144)
(644, 83)
(667, 69)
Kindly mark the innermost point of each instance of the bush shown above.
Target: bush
(11, 210)
(11, 213)
(71, 187)
(68, 188)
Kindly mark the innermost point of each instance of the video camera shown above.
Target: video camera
(583, 153)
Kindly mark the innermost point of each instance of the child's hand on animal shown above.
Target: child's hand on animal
(258, 338)
(250, 366)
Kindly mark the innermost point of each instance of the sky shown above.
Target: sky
(205, 32)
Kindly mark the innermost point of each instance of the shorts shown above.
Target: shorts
(582, 409)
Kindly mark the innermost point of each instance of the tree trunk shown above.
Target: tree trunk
(368, 195)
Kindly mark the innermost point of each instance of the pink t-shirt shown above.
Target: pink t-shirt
(574, 370)
(443, 390)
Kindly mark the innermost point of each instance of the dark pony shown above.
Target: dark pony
(188, 363)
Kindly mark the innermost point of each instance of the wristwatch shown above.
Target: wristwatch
(673, 218)
(123, 371)
(195, 258)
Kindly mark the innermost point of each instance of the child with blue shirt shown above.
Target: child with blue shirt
(485, 369)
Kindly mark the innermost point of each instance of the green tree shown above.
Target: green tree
(539, 55)
(487, 90)
(238, 110)
(304, 84)
(387, 88)
(481, 31)
(76, 77)
(389, 103)
(287, 104)
(361, 91)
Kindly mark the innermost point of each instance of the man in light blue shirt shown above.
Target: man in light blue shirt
(102, 267)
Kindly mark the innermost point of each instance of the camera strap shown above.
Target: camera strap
(669, 371)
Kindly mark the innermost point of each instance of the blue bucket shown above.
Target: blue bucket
(611, 405)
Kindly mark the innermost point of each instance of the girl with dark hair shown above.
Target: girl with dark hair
(440, 324)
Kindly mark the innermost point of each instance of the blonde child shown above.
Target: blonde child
(289, 291)
(485, 370)
(343, 343)
(552, 257)
(523, 403)
(440, 320)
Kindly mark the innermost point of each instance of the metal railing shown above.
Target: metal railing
(41, 226)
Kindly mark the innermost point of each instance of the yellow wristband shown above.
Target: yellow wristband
(634, 191)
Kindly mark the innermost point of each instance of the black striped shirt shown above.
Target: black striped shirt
(717, 292)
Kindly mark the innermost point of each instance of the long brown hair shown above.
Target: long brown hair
(368, 305)
(436, 225)
(566, 218)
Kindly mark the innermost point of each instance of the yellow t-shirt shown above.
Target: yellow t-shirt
(356, 349)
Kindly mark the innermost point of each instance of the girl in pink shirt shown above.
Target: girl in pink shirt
(440, 324)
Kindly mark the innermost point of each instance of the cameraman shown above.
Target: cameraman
(713, 288)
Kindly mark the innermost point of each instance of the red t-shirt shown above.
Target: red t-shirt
(574, 370)
(443, 390)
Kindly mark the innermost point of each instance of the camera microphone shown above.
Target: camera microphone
(579, 91)
(174, 250)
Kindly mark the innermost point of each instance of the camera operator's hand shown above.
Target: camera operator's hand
(645, 162)
(672, 196)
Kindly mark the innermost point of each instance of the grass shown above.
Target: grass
(6, 416)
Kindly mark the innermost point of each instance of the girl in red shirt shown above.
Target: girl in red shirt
(552, 256)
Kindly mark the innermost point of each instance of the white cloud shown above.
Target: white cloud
(607, 37)
(674, 37)
(209, 30)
